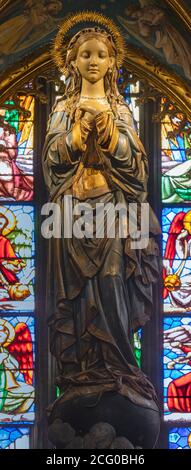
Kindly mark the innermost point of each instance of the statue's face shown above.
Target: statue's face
(93, 60)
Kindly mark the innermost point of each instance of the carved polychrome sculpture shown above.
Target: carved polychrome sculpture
(99, 289)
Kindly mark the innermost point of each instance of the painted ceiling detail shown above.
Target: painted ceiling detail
(25, 30)
(151, 26)
(162, 31)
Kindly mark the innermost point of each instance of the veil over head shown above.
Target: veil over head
(83, 23)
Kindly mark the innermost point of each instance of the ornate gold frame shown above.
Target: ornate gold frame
(158, 76)
(15, 77)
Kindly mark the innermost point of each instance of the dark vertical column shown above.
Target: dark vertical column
(44, 362)
(152, 361)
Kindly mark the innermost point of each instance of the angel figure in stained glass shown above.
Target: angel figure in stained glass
(176, 161)
(178, 247)
(176, 181)
(16, 369)
(10, 263)
(14, 184)
(179, 390)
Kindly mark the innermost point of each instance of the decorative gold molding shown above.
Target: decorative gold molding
(158, 76)
(15, 77)
(182, 11)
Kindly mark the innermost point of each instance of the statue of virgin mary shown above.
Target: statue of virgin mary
(99, 290)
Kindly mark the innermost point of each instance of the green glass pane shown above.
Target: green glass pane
(137, 347)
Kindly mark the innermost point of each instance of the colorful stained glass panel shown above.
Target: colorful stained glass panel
(181, 141)
(17, 295)
(17, 231)
(14, 437)
(137, 346)
(11, 112)
(176, 182)
(176, 227)
(17, 272)
(131, 95)
(177, 369)
(17, 369)
(21, 136)
(176, 161)
(16, 257)
(180, 438)
(16, 151)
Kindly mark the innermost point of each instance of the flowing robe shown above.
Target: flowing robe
(15, 396)
(7, 254)
(179, 390)
(98, 290)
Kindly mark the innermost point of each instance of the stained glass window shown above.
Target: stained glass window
(17, 273)
(180, 438)
(16, 150)
(14, 437)
(176, 250)
(131, 94)
(137, 346)
(17, 371)
(176, 227)
(176, 160)
(177, 368)
(17, 257)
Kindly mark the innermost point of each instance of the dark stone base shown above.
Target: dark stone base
(71, 422)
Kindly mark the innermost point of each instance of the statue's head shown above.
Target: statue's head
(94, 53)
(91, 55)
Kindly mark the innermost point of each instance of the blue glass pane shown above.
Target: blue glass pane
(180, 438)
(14, 437)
